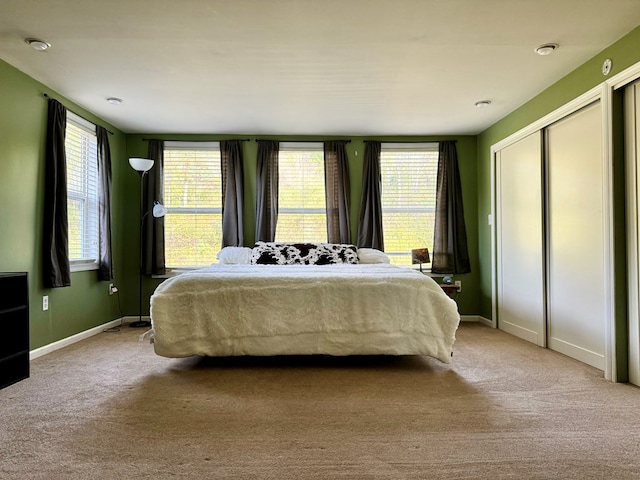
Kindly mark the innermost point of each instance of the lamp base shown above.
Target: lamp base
(140, 324)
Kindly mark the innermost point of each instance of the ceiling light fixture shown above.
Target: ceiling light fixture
(483, 103)
(546, 49)
(114, 100)
(37, 44)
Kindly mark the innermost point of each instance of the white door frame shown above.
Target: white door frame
(603, 93)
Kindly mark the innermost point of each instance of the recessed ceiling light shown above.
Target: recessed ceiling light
(546, 48)
(483, 103)
(37, 44)
(114, 100)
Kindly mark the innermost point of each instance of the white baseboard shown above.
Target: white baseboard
(477, 318)
(52, 347)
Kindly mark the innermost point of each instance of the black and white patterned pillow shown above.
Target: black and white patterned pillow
(273, 253)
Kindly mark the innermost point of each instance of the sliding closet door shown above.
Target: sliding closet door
(632, 149)
(575, 237)
(520, 252)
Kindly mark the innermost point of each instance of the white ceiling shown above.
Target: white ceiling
(351, 67)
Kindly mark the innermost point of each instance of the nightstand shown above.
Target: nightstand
(450, 289)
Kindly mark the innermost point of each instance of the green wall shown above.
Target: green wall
(624, 53)
(23, 115)
(87, 304)
(466, 147)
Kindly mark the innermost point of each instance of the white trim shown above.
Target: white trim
(579, 353)
(52, 347)
(624, 78)
(476, 319)
(301, 146)
(524, 333)
(178, 145)
(409, 146)
(558, 114)
(610, 370)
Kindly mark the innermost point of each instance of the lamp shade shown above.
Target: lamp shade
(420, 255)
(141, 164)
(159, 210)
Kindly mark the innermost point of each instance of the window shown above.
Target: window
(302, 209)
(409, 174)
(193, 197)
(81, 146)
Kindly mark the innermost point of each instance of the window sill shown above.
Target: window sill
(83, 267)
(175, 272)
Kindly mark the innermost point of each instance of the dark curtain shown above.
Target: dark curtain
(105, 265)
(370, 217)
(336, 173)
(152, 228)
(450, 253)
(232, 192)
(56, 269)
(267, 190)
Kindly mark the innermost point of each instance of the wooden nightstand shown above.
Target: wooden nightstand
(450, 289)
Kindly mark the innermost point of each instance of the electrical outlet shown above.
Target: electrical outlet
(112, 289)
(458, 284)
(45, 303)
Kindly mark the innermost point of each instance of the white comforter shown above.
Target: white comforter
(227, 310)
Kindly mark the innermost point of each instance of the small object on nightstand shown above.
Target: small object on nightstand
(420, 255)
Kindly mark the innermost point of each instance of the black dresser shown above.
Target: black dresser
(14, 322)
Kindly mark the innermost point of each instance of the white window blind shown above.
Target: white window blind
(81, 146)
(302, 213)
(193, 197)
(409, 174)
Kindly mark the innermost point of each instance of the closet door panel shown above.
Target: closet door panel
(520, 249)
(632, 147)
(575, 234)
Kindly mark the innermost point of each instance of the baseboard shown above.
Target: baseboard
(52, 347)
(477, 318)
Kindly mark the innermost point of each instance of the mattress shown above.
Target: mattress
(362, 309)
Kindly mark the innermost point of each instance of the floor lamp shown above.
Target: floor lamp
(142, 166)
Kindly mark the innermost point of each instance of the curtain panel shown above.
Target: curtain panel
(336, 172)
(56, 269)
(267, 190)
(370, 216)
(105, 262)
(232, 192)
(450, 252)
(152, 228)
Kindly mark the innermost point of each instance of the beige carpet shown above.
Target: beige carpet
(109, 408)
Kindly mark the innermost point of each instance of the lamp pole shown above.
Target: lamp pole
(140, 323)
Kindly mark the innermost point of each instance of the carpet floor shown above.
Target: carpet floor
(109, 408)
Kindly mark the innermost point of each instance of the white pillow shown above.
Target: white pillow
(231, 255)
(372, 255)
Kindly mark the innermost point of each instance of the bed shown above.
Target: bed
(303, 309)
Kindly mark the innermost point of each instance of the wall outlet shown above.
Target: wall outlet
(45, 303)
(112, 289)
(458, 284)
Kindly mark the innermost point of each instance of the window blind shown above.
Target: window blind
(408, 195)
(301, 193)
(81, 148)
(193, 197)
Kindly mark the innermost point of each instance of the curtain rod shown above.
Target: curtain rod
(183, 140)
(46, 95)
(409, 141)
(303, 141)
